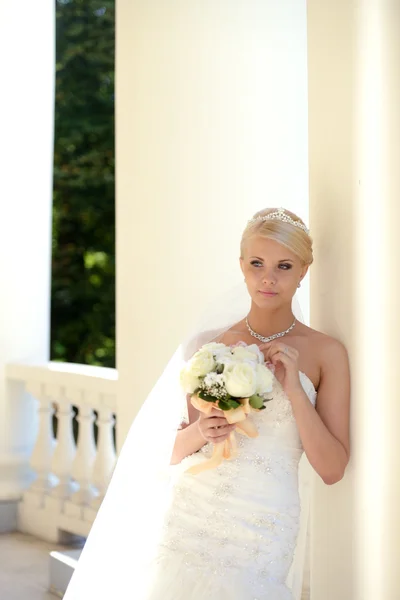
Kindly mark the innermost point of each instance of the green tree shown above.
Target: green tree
(83, 263)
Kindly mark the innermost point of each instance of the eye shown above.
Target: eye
(285, 266)
(256, 263)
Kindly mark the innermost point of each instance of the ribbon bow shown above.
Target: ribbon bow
(227, 449)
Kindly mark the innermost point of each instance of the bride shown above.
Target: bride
(238, 531)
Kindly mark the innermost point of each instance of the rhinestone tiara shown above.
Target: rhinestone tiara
(280, 215)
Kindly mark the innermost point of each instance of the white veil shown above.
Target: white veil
(129, 522)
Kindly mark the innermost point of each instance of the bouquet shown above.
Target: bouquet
(233, 379)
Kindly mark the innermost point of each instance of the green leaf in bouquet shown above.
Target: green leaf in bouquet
(233, 403)
(219, 369)
(205, 397)
(224, 405)
(229, 401)
(264, 401)
(256, 401)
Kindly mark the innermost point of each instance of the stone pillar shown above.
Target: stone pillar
(354, 95)
(211, 126)
(26, 122)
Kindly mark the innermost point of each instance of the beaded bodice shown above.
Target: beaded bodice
(242, 518)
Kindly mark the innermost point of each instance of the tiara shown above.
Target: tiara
(280, 215)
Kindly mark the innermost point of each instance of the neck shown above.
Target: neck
(268, 322)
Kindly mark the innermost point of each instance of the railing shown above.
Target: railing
(74, 454)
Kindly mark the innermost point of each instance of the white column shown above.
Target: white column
(354, 92)
(26, 148)
(211, 126)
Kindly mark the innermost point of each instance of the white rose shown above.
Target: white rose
(241, 380)
(224, 351)
(226, 359)
(213, 346)
(223, 355)
(189, 382)
(264, 380)
(250, 353)
(201, 363)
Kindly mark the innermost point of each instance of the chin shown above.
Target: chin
(263, 302)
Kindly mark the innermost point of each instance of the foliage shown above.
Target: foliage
(83, 264)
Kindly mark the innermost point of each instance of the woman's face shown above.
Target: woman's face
(272, 272)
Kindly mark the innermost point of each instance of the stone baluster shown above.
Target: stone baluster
(106, 457)
(82, 467)
(41, 458)
(65, 451)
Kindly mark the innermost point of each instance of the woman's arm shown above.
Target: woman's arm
(201, 429)
(324, 432)
(188, 441)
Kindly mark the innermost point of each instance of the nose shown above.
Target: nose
(269, 278)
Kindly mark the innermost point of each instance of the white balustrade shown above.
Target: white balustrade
(106, 457)
(71, 478)
(42, 454)
(65, 451)
(85, 455)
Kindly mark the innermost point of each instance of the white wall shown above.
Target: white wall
(211, 126)
(332, 69)
(26, 150)
(354, 99)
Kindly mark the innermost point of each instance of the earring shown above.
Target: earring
(299, 285)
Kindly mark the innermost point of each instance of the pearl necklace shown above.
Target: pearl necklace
(265, 340)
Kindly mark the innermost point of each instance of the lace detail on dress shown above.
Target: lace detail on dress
(231, 532)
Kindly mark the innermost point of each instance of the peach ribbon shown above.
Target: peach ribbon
(227, 449)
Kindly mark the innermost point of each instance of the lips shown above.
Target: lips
(267, 293)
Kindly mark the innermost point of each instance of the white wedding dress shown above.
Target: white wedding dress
(231, 533)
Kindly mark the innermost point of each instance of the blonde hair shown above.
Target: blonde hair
(293, 238)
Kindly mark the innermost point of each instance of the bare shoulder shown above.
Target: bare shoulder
(233, 335)
(330, 348)
(333, 361)
(324, 345)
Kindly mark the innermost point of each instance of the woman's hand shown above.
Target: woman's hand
(285, 360)
(214, 427)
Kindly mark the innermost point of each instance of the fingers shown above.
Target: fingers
(215, 421)
(220, 430)
(282, 358)
(265, 346)
(276, 349)
(219, 435)
(276, 344)
(214, 429)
